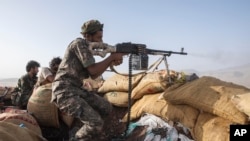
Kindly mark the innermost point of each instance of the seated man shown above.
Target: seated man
(47, 74)
(25, 85)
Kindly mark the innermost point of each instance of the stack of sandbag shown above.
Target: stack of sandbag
(210, 127)
(3, 89)
(213, 97)
(242, 102)
(115, 88)
(152, 83)
(154, 104)
(12, 132)
(17, 119)
(146, 96)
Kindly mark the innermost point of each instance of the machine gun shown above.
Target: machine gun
(139, 53)
(138, 60)
(129, 48)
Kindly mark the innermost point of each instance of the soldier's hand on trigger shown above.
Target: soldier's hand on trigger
(117, 58)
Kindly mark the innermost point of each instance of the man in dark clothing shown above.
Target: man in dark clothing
(25, 85)
(77, 64)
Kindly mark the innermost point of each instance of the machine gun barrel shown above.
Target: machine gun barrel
(163, 52)
(142, 49)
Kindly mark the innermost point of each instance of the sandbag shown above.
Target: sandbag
(211, 128)
(119, 99)
(152, 82)
(8, 95)
(119, 83)
(13, 132)
(210, 95)
(160, 107)
(40, 106)
(242, 102)
(21, 117)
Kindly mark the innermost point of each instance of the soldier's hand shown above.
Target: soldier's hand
(117, 62)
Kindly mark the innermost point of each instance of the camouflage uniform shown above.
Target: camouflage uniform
(25, 86)
(69, 95)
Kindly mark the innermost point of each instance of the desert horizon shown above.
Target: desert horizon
(239, 75)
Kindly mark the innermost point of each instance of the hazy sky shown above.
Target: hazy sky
(214, 33)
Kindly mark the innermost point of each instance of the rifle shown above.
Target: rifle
(131, 48)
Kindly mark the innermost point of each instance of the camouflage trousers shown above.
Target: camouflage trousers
(89, 108)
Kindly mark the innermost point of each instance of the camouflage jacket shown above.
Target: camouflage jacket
(26, 84)
(72, 70)
(24, 87)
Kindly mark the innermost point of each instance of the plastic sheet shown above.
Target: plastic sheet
(155, 127)
(184, 138)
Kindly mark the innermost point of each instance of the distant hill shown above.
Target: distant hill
(12, 82)
(238, 75)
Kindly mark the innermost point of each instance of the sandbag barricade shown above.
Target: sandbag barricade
(160, 107)
(116, 91)
(8, 95)
(119, 82)
(13, 132)
(210, 95)
(21, 117)
(242, 102)
(152, 82)
(119, 99)
(211, 128)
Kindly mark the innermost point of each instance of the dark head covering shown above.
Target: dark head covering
(91, 27)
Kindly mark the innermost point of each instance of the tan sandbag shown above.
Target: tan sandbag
(210, 95)
(211, 128)
(12, 132)
(40, 106)
(119, 83)
(119, 99)
(19, 117)
(8, 95)
(160, 107)
(152, 82)
(242, 102)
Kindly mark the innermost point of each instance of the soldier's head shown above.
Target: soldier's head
(54, 64)
(92, 31)
(32, 67)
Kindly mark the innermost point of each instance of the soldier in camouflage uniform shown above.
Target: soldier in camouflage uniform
(25, 85)
(77, 64)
